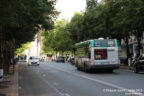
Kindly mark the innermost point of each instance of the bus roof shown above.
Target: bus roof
(92, 42)
(83, 43)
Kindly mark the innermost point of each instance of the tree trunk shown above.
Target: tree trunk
(1, 55)
(62, 53)
(56, 54)
(139, 42)
(127, 49)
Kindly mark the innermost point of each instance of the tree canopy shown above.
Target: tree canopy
(57, 39)
(20, 20)
(117, 19)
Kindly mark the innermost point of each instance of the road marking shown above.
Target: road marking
(66, 94)
(43, 75)
(103, 82)
(54, 88)
(54, 83)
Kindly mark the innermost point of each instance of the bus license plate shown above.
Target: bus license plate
(105, 62)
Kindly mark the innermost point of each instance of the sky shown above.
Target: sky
(69, 7)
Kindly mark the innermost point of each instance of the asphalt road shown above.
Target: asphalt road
(63, 79)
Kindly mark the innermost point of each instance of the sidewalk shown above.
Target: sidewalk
(9, 86)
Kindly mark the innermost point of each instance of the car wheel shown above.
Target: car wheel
(135, 70)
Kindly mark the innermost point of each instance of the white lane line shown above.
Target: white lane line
(43, 75)
(55, 89)
(103, 82)
(66, 94)
(54, 83)
(53, 86)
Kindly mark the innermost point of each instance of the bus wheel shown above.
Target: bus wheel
(85, 68)
(110, 70)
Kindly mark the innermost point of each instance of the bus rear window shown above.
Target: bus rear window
(104, 43)
(100, 54)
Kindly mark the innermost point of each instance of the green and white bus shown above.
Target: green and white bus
(97, 54)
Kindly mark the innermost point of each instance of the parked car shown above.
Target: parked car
(138, 65)
(60, 59)
(33, 61)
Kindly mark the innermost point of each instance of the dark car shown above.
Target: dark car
(138, 64)
(72, 59)
(60, 59)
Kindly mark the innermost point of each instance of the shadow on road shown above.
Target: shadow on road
(99, 72)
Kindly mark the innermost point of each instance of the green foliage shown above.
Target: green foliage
(57, 39)
(20, 20)
(114, 19)
(23, 48)
(75, 27)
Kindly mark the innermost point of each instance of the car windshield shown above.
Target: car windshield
(35, 58)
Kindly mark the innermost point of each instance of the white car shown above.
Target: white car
(33, 61)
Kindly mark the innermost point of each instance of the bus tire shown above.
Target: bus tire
(78, 68)
(85, 68)
(110, 70)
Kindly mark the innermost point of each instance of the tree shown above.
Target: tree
(75, 28)
(22, 49)
(137, 12)
(20, 21)
(57, 39)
